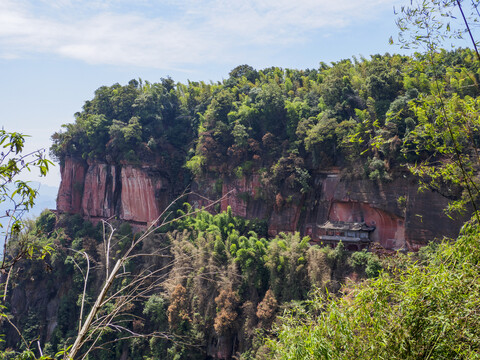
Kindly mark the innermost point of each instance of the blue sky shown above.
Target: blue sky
(55, 53)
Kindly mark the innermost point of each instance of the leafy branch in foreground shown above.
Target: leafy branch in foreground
(17, 197)
(448, 120)
(18, 194)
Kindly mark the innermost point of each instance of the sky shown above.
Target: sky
(55, 53)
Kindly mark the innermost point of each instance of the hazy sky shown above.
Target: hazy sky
(55, 53)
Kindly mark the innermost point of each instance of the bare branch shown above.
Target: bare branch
(85, 281)
(142, 285)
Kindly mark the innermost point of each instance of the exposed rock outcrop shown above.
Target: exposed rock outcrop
(138, 196)
(100, 196)
(99, 191)
(403, 218)
(70, 193)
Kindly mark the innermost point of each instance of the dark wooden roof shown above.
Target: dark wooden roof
(346, 226)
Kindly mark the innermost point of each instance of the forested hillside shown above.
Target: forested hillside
(366, 115)
(214, 285)
(208, 287)
(271, 141)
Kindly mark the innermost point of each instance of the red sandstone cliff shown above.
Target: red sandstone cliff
(138, 201)
(100, 191)
(140, 194)
(70, 193)
(403, 218)
(98, 195)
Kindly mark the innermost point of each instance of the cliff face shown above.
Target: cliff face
(100, 195)
(70, 193)
(402, 217)
(246, 199)
(98, 191)
(138, 202)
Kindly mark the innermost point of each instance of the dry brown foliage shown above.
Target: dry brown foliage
(227, 302)
(266, 309)
(177, 312)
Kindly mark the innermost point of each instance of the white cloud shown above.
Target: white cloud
(169, 34)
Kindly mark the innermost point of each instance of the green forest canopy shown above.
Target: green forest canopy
(369, 115)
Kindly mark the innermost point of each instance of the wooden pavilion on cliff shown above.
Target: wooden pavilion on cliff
(354, 235)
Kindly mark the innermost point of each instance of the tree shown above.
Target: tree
(448, 122)
(419, 310)
(19, 195)
(244, 70)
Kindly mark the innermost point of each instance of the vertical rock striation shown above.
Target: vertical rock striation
(70, 193)
(138, 196)
(100, 191)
